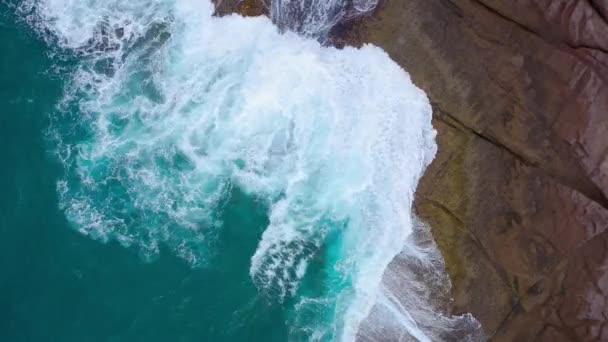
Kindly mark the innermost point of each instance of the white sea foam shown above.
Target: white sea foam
(414, 298)
(175, 107)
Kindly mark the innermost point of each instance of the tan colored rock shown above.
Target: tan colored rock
(517, 194)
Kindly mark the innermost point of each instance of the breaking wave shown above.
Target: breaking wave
(170, 108)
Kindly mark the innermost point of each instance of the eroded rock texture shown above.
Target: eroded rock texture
(517, 196)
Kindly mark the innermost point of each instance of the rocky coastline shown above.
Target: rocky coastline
(517, 197)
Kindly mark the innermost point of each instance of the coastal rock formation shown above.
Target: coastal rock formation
(517, 196)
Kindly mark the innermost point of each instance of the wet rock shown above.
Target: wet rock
(517, 195)
(248, 8)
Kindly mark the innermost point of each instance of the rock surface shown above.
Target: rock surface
(249, 8)
(517, 196)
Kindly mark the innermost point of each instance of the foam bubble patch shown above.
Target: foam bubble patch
(170, 108)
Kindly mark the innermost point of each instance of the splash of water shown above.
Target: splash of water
(170, 108)
(314, 18)
(415, 298)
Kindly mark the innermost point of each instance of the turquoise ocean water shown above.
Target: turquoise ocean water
(162, 181)
(58, 285)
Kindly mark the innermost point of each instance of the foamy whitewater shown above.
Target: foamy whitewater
(177, 107)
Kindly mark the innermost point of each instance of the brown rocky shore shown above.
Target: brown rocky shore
(517, 196)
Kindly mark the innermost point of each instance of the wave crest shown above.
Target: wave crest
(170, 108)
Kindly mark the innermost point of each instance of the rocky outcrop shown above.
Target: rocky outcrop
(517, 196)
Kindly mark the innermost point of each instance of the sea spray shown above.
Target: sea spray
(315, 18)
(170, 109)
(415, 298)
